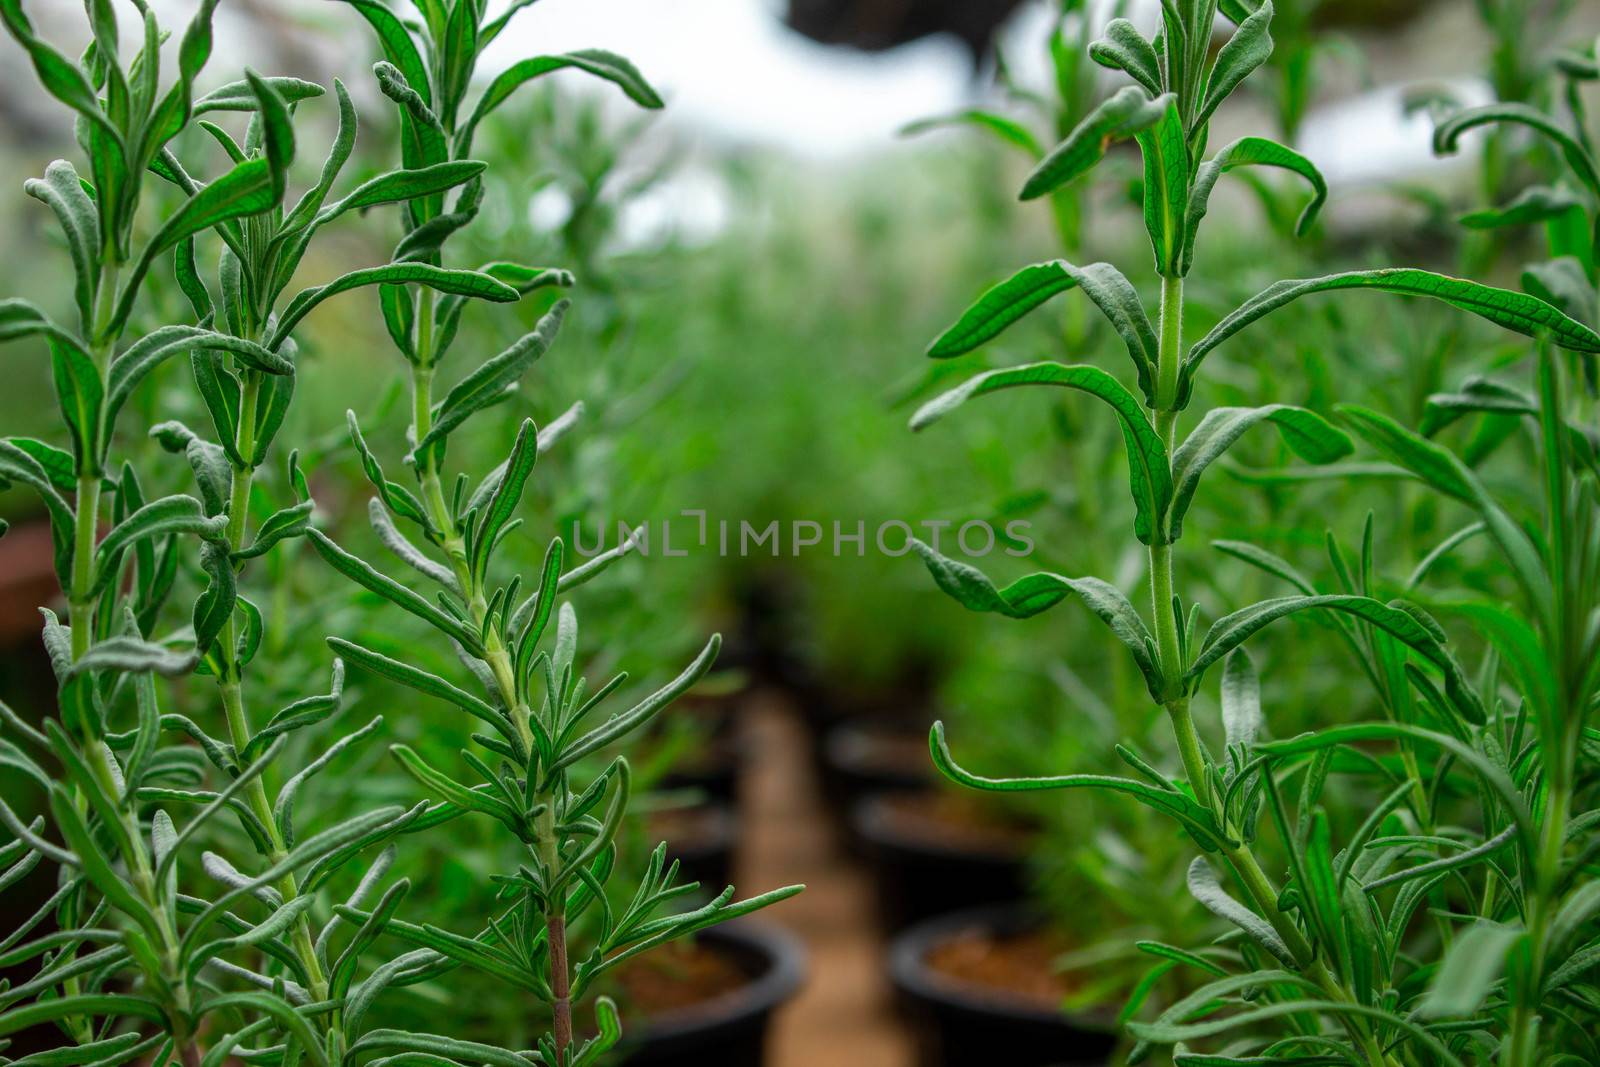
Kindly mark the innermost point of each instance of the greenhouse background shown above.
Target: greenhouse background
(723, 446)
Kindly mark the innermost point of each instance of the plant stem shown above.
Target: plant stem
(86, 520)
(85, 528)
(1169, 652)
(555, 923)
(231, 684)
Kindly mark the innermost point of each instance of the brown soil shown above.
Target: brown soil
(954, 821)
(1020, 965)
(683, 976)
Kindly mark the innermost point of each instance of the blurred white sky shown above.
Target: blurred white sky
(731, 68)
(732, 71)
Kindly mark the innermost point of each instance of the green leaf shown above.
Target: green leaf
(1149, 474)
(363, 574)
(462, 282)
(247, 189)
(240, 96)
(1195, 819)
(1514, 311)
(1472, 964)
(283, 807)
(81, 396)
(96, 866)
(1439, 468)
(509, 481)
(421, 681)
(1028, 596)
(60, 77)
(79, 1005)
(62, 191)
(1241, 700)
(1307, 434)
(130, 367)
(277, 132)
(1205, 888)
(398, 186)
(1246, 50)
(1249, 152)
(282, 525)
(491, 381)
(619, 725)
(1124, 48)
(1118, 118)
(1493, 774)
(1447, 135)
(1008, 130)
(398, 47)
(177, 514)
(1535, 204)
(1396, 618)
(214, 607)
(449, 789)
(344, 143)
(17, 465)
(602, 64)
(1013, 298)
(132, 655)
(1167, 172)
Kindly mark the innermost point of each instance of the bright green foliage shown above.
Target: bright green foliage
(1325, 964)
(156, 951)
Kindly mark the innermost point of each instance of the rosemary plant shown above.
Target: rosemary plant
(1321, 967)
(133, 958)
(545, 777)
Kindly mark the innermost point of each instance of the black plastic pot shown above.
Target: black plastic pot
(863, 758)
(705, 853)
(964, 1025)
(730, 1031)
(919, 876)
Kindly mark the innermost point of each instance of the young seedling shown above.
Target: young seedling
(1323, 974)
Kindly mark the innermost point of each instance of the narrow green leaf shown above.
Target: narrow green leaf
(1205, 888)
(1030, 595)
(1472, 964)
(1117, 118)
(462, 282)
(1195, 819)
(1447, 135)
(1008, 130)
(363, 574)
(1149, 475)
(491, 381)
(1247, 49)
(602, 64)
(1307, 434)
(1124, 48)
(1249, 152)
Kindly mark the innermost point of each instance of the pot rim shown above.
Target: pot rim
(871, 822)
(910, 973)
(785, 971)
(720, 818)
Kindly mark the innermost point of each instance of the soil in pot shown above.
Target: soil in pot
(864, 757)
(985, 980)
(938, 851)
(701, 838)
(707, 1002)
